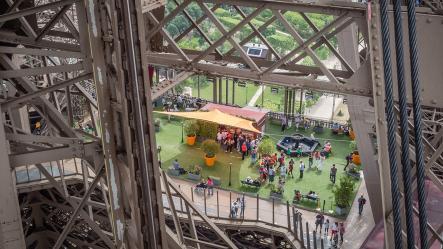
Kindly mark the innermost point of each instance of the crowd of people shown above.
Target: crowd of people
(176, 102)
(237, 140)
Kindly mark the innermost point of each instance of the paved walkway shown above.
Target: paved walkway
(323, 108)
(257, 94)
(218, 205)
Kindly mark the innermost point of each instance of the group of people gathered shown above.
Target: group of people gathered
(244, 143)
(336, 228)
(271, 165)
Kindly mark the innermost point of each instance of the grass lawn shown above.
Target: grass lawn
(169, 138)
(242, 94)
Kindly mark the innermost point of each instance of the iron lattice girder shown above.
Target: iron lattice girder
(266, 70)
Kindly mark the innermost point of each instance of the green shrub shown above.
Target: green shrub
(266, 146)
(343, 192)
(210, 147)
(207, 129)
(191, 128)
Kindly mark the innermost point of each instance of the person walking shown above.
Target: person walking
(333, 174)
(291, 168)
(341, 231)
(326, 227)
(210, 184)
(244, 149)
(334, 230)
(237, 206)
(361, 203)
(319, 221)
(302, 169)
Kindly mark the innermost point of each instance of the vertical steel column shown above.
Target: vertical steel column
(293, 101)
(214, 90)
(227, 91)
(285, 102)
(233, 91)
(220, 90)
(198, 86)
(290, 104)
(11, 230)
(300, 109)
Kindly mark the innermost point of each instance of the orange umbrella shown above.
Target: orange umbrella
(218, 117)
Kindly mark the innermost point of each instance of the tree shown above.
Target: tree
(266, 146)
(344, 191)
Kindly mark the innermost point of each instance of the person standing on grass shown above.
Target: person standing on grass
(253, 155)
(333, 174)
(361, 203)
(321, 161)
(291, 168)
(341, 231)
(348, 160)
(302, 169)
(244, 149)
(283, 171)
(271, 173)
(311, 160)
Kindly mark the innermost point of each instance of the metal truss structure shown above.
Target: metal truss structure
(70, 64)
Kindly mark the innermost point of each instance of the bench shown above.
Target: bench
(255, 184)
(310, 198)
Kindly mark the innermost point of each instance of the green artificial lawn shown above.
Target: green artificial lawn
(242, 94)
(169, 138)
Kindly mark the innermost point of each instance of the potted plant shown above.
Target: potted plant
(157, 123)
(207, 130)
(210, 147)
(276, 192)
(191, 128)
(355, 155)
(343, 192)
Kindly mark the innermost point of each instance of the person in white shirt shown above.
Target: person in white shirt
(219, 137)
(302, 169)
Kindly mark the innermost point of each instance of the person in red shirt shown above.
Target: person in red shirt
(210, 184)
(244, 149)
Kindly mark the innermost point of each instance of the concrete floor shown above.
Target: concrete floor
(357, 227)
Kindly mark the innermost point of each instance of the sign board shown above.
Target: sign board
(241, 84)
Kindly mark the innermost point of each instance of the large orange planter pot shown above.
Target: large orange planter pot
(356, 159)
(190, 140)
(210, 161)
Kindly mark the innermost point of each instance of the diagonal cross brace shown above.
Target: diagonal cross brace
(334, 24)
(228, 35)
(308, 50)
